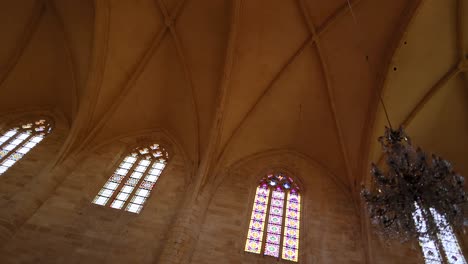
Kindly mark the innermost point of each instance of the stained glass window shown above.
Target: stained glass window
(444, 247)
(19, 140)
(276, 209)
(133, 180)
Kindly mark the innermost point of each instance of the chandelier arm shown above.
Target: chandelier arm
(410, 188)
(368, 64)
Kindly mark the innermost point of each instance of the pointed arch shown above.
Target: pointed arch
(17, 140)
(134, 179)
(275, 219)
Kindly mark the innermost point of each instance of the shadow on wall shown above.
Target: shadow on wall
(39, 159)
(78, 231)
(329, 222)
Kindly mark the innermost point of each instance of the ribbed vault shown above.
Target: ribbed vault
(44, 54)
(229, 79)
(426, 86)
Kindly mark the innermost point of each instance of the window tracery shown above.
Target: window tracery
(19, 140)
(277, 205)
(133, 180)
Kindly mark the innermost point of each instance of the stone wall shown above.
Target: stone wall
(330, 228)
(68, 228)
(35, 161)
(391, 252)
(53, 220)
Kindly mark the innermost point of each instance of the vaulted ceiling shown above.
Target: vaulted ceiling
(426, 89)
(234, 78)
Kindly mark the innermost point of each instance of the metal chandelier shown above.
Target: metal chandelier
(413, 182)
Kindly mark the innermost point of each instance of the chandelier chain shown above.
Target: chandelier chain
(387, 116)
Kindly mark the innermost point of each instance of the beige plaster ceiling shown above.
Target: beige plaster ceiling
(231, 78)
(426, 88)
(44, 52)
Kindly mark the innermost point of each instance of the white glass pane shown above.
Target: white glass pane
(30, 144)
(142, 192)
(138, 200)
(3, 169)
(130, 159)
(106, 192)
(10, 133)
(145, 162)
(16, 141)
(429, 249)
(8, 162)
(127, 189)
(100, 200)
(449, 241)
(155, 172)
(151, 178)
(159, 166)
(23, 136)
(122, 196)
(36, 139)
(134, 208)
(111, 185)
(140, 169)
(23, 150)
(4, 138)
(117, 204)
(136, 175)
(125, 165)
(121, 171)
(432, 261)
(9, 147)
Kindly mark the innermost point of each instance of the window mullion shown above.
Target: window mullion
(283, 223)
(442, 252)
(438, 241)
(128, 178)
(124, 179)
(440, 248)
(427, 216)
(20, 145)
(143, 176)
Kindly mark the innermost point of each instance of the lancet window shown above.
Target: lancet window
(445, 247)
(275, 219)
(19, 140)
(133, 180)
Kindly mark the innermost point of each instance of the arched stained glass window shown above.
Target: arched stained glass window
(444, 247)
(277, 206)
(19, 140)
(134, 179)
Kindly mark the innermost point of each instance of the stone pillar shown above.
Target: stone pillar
(185, 230)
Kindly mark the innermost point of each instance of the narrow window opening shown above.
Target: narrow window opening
(19, 140)
(444, 247)
(277, 206)
(133, 180)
